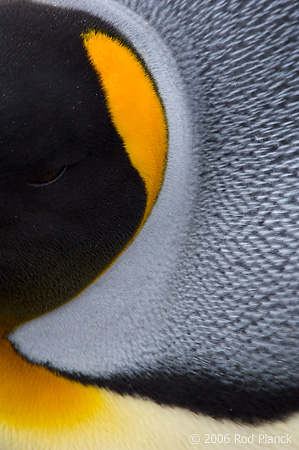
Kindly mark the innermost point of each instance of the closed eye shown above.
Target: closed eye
(48, 177)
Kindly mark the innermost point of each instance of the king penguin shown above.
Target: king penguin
(149, 225)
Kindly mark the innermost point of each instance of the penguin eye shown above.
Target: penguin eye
(48, 177)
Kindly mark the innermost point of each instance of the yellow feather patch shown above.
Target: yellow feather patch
(134, 106)
(31, 396)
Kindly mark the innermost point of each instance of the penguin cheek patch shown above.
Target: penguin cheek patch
(134, 106)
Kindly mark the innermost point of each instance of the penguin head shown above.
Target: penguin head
(204, 283)
(79, 168)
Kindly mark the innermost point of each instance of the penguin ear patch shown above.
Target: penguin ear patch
(135, 107)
